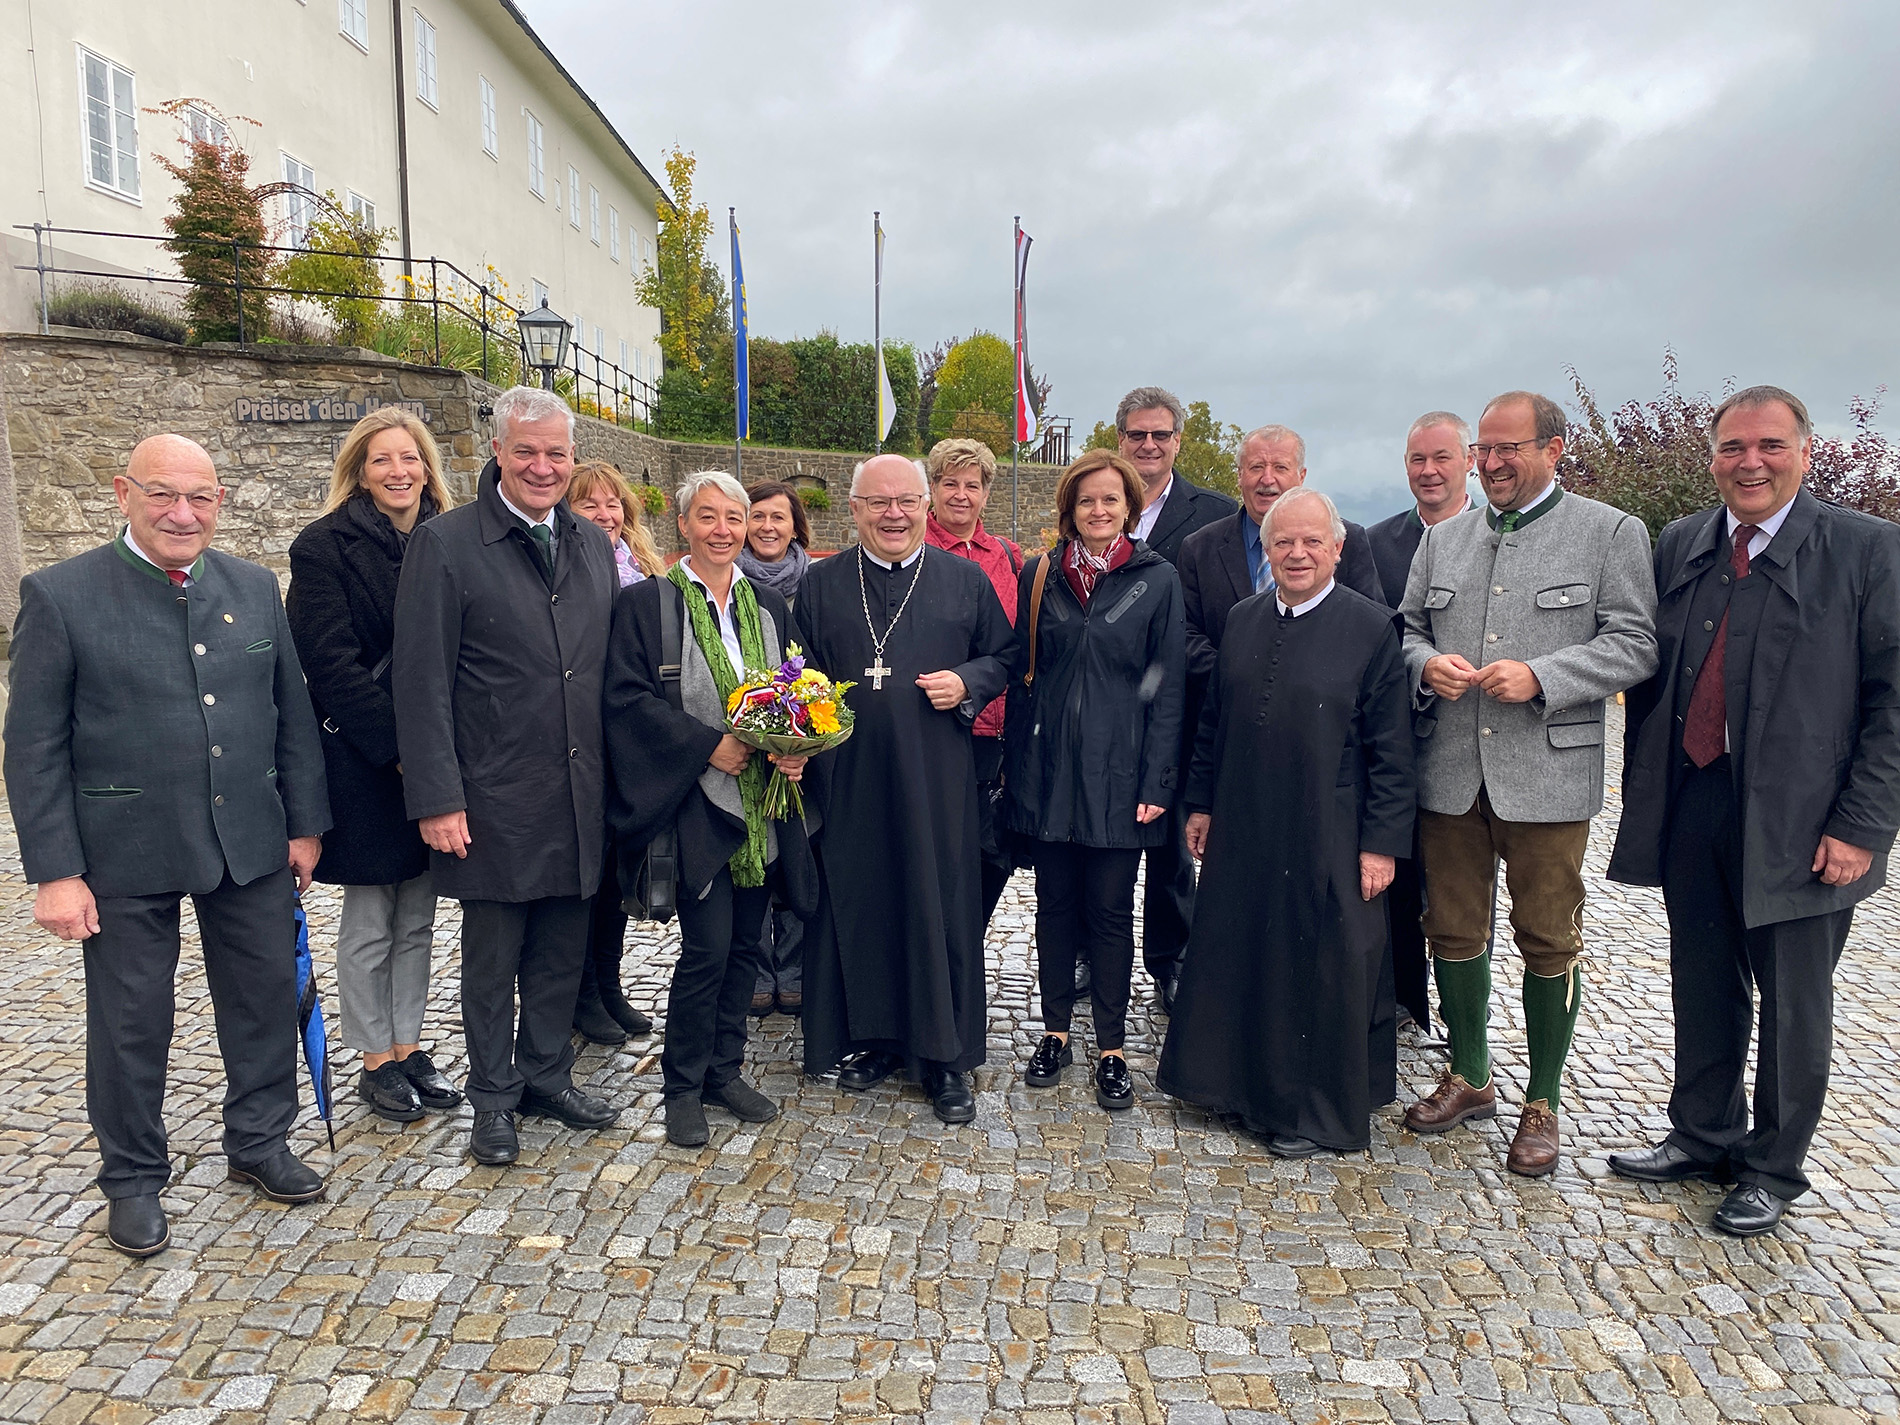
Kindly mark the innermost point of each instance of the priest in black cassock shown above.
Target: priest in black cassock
(894, 960)
(1300, 796)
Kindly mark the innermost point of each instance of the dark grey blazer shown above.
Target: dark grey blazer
(498, 686)
(158, 737)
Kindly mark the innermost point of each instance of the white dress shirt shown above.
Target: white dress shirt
(1765, 529)
(554, 530)
(1144, 526)
(133, 545)
(725, 617)
(1306, 608)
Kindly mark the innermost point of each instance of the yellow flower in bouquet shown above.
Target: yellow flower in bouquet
(824, 718)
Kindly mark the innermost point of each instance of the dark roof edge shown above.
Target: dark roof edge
(520, 19)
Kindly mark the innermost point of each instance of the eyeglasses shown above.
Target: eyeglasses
(1141, 437)
(160, 500)
(1507, 449)
(877, 504)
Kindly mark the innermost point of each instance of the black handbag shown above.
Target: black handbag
(653, 889)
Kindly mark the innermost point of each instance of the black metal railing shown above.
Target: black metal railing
(592, 384)
(1053, 448)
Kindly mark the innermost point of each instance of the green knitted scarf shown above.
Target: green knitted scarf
(748, 862)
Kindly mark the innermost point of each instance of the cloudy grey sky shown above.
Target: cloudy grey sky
(1332, 215)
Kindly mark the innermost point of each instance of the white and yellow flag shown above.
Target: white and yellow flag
(886, 403)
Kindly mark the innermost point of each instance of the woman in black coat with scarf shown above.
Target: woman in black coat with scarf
(1092, 745)
(343, 570)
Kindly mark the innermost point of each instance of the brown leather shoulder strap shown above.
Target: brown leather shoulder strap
(1035, 611)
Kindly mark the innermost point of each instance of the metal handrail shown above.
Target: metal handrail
(618, 395)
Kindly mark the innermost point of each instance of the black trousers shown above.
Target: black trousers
(1167, 908)
(536, 948)
(781, 952)
(1411, 966)
(1716, 965)
(712, 985)
(606, 929)
(250, 952)
(1085, 906)
(991, 836)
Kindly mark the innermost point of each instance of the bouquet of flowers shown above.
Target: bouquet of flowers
(793, 711)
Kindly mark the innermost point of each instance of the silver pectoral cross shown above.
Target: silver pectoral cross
(877, 673)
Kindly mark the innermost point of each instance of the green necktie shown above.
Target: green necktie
(1507, 523)
(544, 545)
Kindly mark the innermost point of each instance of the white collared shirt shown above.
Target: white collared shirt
(133, 545)
(1531, 504)
(904, 563)
(1306, 608)
(1144, 526)
(1765, 530)
(554, 532)
(1463, 505)
(726, 618)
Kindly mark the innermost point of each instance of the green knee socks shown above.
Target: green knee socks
(1550, 1019)
(1464, 998)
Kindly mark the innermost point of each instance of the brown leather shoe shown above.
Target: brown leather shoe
(1534, 1150)
(1453, 1102)
(762, 1002)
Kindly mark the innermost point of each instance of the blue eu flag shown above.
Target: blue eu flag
(741, 376)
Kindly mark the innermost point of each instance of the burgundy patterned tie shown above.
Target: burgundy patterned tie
(1705, 730)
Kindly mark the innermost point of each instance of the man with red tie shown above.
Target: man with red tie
(1762, 793)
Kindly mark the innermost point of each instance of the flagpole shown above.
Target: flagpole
(877, 333)
(738, 396)
(1015, 378)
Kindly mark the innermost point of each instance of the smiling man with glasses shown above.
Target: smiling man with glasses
(160, 744)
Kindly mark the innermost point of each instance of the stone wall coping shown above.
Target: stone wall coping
(283, 355)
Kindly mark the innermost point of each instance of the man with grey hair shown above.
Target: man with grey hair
(502, 615)
(1308, 710)
(1437, 469)
(1148, 422)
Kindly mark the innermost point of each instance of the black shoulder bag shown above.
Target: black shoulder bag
(653, 893)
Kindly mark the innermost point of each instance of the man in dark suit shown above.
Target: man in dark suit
(1438, 469)
(501, 645)
(1761, 791)
(159, 744)
(1148, 424)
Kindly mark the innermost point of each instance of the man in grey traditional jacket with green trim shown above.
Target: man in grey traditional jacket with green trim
(1520, 619)
(160, 744)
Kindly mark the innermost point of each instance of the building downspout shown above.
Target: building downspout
(402, 144)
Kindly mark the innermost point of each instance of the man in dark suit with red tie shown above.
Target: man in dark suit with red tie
(1762, 793)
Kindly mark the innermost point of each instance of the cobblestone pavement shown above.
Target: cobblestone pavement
(857, 1259)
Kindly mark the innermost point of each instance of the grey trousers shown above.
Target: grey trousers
(383, 940)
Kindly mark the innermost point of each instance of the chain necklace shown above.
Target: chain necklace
(877, 672)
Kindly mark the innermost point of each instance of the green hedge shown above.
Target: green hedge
(813, 393)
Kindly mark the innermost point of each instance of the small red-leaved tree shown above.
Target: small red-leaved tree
(1651, 458)
(217, 234)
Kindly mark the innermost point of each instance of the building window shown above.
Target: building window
(540, 293)
(300, 207)
(536, 180)
(201, 127)
(491, 133)
(352, 18)
(593, 214)
(646, 251)
(600, 341)
(363, 211)
(623, 357)
(573, 197)
(613, 235)
(112, 126)
(425, 60)
(580, 333)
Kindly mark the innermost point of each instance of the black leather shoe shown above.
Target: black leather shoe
(1083, 977)
(492, 1142)
(625, 1015)
(1750, 1211)
(137, 1225)
(1286, 1145)
(686, 1122)
(1164, 992)
(1114, 1086)
(595, 1025)
(570, 1106)
(282, 1177)
(950, 1095)
(1666, 1163)
(868, 1070)
(1045, 1067)
(387, 1090)
(741, 1100)
(435, 1091)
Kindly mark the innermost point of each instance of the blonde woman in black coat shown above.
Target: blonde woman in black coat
(386, 481)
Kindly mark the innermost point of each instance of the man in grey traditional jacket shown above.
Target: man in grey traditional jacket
(1520, 619)
(160, 744)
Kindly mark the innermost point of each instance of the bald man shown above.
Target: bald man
(159, 744)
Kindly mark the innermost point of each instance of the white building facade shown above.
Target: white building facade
(448, 121)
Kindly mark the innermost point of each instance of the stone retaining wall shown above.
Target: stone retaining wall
(73, 404)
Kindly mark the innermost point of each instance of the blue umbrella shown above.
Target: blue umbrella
(316, 1043)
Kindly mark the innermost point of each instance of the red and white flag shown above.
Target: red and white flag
(1025, 398)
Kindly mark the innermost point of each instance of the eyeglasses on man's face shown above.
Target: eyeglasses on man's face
(1506, 449)
(1142, 437)
(160, 499)
(878, 504)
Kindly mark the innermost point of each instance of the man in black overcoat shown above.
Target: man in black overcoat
(1148, 423)
(159, 744)
(501, 643)
(1437, 468)
(1761, 791)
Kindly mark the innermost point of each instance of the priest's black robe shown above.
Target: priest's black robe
(894, 957)
(1304, 759)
